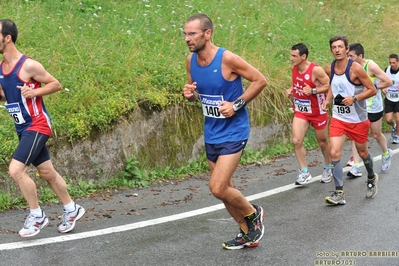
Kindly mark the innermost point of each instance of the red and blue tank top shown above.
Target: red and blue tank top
(27, 114)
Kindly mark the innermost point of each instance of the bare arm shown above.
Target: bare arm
(328, 70)
(329, 95)
(326, 103)
(321, 79)
(376, 71)
(190, 89)
(358, 73)
(33, 70)
(240, 67)
(289, 92)
(361, 74)
(2, 95)
(233, 66)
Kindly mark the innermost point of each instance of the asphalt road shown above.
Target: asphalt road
(180, 223)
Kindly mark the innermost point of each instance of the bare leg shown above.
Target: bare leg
(389, 119)
(356, 157)
(222, 187)
(322, 139)
(17, 171)
(57, 183)
(367, 160)
(397, 122)
(299, 129)
(378, 136)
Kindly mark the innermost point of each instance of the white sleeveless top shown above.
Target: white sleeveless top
(393, 91)
(342, 86)
(375, 103)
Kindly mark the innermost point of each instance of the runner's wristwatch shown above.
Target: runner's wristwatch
(239, 104)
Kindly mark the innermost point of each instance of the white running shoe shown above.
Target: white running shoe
(351, 161)
(355, 172)
(69, 219)
(372, 186)
(33, 224)
(327, 176)
(303, 178)
(386, 161)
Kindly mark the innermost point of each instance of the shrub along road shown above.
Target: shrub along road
(180, 223)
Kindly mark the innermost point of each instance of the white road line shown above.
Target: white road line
(133, 226)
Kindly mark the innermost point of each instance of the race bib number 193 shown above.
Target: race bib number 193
(210, 105)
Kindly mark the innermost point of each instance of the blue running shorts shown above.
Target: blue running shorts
(213, 151)
(32, 148)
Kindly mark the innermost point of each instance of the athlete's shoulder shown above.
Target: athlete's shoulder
(188, 58)
(373, 67)
(231, 59)
(354, 66)
(227, 54)
(31, 65)
(316, 67)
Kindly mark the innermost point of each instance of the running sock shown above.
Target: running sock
(385, 153)
(304, 170)
(328, 166)
(368, 163)
(70, 206)
(37, 212)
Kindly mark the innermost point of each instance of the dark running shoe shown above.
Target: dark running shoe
(336, 198)
(255, 224)
(255, 231)
(241, 241)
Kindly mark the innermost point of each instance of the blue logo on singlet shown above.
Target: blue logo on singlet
(13, 108)
(302, 102)
(213, 100)
(341, 88)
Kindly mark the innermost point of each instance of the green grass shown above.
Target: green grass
(115, 56)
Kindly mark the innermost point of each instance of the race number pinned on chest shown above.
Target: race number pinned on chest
(393, 94)
(342, 109)
(210, 105)
(303, 106)
(15, 111)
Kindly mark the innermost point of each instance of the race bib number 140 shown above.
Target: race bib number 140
(210, 105)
